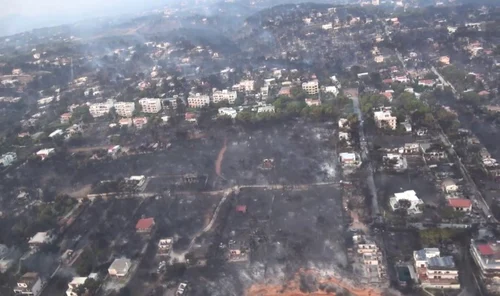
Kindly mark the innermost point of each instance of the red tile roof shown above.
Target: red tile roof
(145, 223)
(485, 249)
(460, 203)
(241, 209)
(189, 115)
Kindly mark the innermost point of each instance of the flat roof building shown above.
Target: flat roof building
(120, 267)
(29, 284)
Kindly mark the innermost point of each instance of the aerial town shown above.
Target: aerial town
(254, 148)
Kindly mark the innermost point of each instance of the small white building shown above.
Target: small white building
(409, 195)
(228, 111)
(343, 123)
(41, 238)
(8, 158)
(449, 186)
(119, 267)
(56, 133)
(44, 153)
(332, 89)
(344, 136)
(45, 101)
(268, 109)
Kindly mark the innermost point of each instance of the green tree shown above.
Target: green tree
(81, 114)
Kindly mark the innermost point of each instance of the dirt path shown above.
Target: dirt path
(220, 158)
(292, 288)
(88, 149)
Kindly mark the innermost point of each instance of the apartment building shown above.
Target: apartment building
(435, 271)
(170, 103)
(100, 109)
(228, 111)
(486, 255)
(198, 100)
(384, 118)
(245, 85)
(125, 109)
(311, 87)
(224, 95)
(368, 259)
(150, 105)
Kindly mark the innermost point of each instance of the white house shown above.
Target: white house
(228, 111)
(409, 195)
(344, 136)
(44, 153)
(56, 133)
(332, 89)
(269, 108)
(8, 158)
(449, 186)
(45, 101)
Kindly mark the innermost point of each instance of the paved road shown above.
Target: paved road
(444, 82)
(365, 157)
(477, 196)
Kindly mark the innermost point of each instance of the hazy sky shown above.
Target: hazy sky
(22, 15)
(58, 7)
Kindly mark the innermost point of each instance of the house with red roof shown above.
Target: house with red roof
(241, 209)
(145, 225)
(460, 204)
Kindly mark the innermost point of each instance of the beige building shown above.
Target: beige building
(198, 101)
(100, 109)
(311, 87)
(379, 59)
(384, 118)
(119, 267)
(444, 60)
(150, 105)
(125, 109)
(224, 95)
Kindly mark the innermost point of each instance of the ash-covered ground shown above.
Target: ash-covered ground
(283, 231)
(301, 153)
